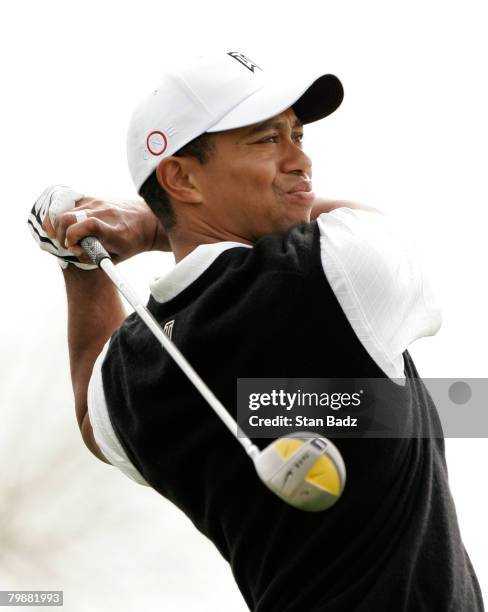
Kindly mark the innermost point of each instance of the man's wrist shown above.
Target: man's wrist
(160, 240)
(76, 275)
(69, 265)
(157, 238)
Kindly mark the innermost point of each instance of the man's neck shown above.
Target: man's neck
(183, 246)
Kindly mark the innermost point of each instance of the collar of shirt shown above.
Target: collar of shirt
(188, 269)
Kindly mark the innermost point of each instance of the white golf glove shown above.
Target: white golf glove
(54, 200)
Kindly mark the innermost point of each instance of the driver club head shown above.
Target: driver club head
(303, 469)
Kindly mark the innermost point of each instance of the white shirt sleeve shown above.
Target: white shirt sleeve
(103, 431)
(379, 283)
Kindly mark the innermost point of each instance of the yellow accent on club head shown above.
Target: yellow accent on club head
(324, 475)
(287, 447)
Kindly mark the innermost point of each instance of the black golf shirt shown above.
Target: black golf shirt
(392, 541)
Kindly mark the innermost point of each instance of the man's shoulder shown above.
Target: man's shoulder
(291, 249)
(130, 344)
(300, 233)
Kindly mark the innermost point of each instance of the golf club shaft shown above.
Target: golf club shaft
(96, 252)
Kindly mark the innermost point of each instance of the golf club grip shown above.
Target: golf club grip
(94, 249)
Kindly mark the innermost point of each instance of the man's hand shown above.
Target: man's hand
(125, 228)
(54, 200)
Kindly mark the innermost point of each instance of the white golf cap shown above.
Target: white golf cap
(220, 92)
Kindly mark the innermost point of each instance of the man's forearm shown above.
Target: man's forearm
(95, 311)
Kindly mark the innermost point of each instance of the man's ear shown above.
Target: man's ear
(175, 177)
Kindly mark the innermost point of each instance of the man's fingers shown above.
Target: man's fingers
(66, 220)
(48, 228)
(88, 227)
(61, 199)
(83, 203)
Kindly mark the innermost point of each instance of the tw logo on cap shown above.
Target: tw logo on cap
(156, 143)
(245, 61)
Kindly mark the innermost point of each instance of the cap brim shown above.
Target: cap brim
(313, 99)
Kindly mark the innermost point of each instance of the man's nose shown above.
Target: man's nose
(296, 160)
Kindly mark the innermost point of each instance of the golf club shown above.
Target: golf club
(303, 469)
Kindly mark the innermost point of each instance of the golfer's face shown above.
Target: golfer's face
(249, 175)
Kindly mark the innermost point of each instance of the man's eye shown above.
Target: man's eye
(269, 138)
(274, 137)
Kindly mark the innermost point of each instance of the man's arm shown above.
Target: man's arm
(95, 311)
(323, 205)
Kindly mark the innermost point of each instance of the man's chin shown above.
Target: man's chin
(297, 216)
(286, 223)
(283, 221)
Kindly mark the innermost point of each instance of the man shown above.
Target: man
(269, 281)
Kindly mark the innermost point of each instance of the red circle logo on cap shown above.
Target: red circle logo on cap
(156, 143)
